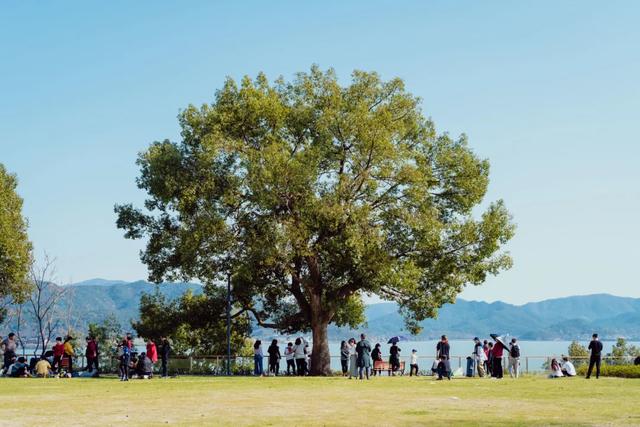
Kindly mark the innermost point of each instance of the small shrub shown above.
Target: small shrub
(621, 371)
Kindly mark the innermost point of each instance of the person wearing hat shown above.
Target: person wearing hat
(596, 356)
(498, 352)
(479, 356)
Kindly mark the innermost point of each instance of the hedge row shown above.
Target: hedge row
(621, 371)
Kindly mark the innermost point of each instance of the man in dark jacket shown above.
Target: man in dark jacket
(443, 348)
(596, 355)
(165, 350)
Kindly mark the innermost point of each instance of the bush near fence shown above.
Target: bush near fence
(621, 371)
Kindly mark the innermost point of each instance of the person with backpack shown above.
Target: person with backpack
(514, 359)
(596, 356)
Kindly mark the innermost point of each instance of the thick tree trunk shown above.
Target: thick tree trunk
(320, 356)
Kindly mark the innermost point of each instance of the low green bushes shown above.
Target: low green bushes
(621, 371)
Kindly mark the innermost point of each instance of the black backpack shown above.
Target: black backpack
(515, 350)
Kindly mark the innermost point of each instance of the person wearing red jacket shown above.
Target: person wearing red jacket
(58, 353)
(152, 351)
(91, 354)
(497, 353)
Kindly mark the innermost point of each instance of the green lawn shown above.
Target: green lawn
(319, 401)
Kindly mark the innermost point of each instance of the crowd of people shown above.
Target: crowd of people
(358, 359)
(59, 360)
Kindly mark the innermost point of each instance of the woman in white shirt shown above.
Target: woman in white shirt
(300, 355)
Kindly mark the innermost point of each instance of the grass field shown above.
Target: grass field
(319, 401)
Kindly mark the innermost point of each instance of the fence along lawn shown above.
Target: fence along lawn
(319, 401)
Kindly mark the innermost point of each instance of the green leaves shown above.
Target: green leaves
(312, 194)
(15, 248)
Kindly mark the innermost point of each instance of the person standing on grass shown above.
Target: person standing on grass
(69, 354)
(363, 349)
(9, 349)
(344, 357)
(152, 351)
(289, 355)
(58, 354)
(443, 348)
(91, 353)
(300, 356)
(257, 358)
(596, 356)
(490, 359)
(413, 366)
(274, 358)
(514, 359)
(125, 357)
(479, 356)
(353, 359)
(165, 351)
(498, 352)
(376, 356)
(394, 357)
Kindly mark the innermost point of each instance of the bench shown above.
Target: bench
(380, 365)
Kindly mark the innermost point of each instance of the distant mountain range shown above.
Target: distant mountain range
(555, 319)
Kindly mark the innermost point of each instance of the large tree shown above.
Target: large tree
(15, 248)
(313, 195)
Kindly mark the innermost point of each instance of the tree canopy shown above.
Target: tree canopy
(15, 247)
(195, 323)
(313, 195)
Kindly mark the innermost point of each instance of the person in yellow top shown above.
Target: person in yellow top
(68, 352)
(43, 367)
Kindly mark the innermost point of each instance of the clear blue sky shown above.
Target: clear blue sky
(548, 91)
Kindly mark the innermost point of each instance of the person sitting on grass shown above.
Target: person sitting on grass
(443, 369)
(556, 370)
(568, 370)
(19, 369)
(144, 367)
(43, 368)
